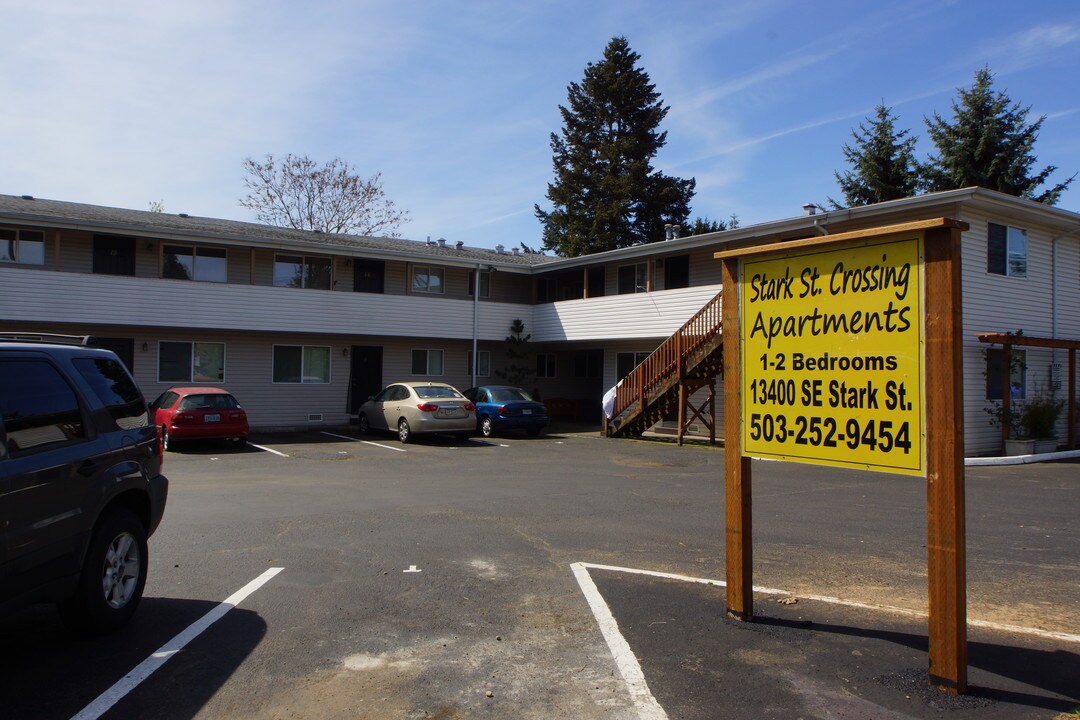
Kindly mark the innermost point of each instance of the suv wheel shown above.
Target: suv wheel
(113, 574)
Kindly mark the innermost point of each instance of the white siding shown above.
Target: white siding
(638, 315)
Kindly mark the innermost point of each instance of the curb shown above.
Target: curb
(1021, 459)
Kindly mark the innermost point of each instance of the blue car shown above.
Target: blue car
(503, 407)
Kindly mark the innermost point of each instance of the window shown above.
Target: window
(40, 409)
(184, 262)
(26, 247)
(633, 278)
(116, 390)
(587, 364)
(427, 362)
(191, 362)
(677, 272)
(483, 367)
(995, 357)
(427, 280)
(1006, 250)
(302, 364)
(298, 271)
(625, 362)
(545, 365)
(485, 282)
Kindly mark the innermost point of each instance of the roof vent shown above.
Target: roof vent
(317, 231)
(809, 209)
(517, 251)
(459, 244)
(430, 241)
(183, 215)
(501, 249)
(27, 197)
(442, 242)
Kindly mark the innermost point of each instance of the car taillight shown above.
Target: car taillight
(427, 407)
(502, 410)
(469, 407)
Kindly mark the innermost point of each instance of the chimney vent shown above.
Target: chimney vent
(809, 209)
(27, 197)
(183, 215)
(459, 244)
(430, 241)
(442, 242)
(501, 249)
(517, 251)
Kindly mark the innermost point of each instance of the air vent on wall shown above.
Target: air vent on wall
(314, 417)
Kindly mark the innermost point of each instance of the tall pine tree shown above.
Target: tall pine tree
(883, 165)
(989, 144)
(606, 194)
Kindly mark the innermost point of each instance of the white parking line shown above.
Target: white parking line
(130, 681)
(269, 450)
(366, 442)
(1037, 632)
(629, 668)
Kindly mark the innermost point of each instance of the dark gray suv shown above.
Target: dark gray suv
(81, 487)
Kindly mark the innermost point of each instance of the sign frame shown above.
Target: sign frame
(943, 441)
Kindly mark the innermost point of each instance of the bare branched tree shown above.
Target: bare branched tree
(299, 193)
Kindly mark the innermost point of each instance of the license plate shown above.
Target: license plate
(448, 412)
(211, 418)
(526, 412)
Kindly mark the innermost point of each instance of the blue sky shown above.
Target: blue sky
(127, 102)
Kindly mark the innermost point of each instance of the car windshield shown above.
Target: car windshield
(503, 395)
(437, 391)
(209, 402)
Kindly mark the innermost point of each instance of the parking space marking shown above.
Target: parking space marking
(629, 668)
(269, 450)
(366, 442)
(1037, 632)
(142, 671)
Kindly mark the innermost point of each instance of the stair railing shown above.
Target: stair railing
(668, 362)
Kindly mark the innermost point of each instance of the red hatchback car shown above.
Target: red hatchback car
(199, 413)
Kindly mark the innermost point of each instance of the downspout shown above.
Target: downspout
(475, 322)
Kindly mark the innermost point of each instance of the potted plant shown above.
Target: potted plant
(1038, 419)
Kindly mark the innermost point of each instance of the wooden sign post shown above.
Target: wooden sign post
(829, 346)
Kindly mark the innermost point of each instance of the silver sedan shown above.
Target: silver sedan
(412, 408)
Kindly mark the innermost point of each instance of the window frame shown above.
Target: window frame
(427, 362)
(17, 242)
(191, 361)
(481, 357)
(485, 283)
(195, 252)
(427, 271)
(992, 371)
(641, 278)
(303, 364)
(550, 365)
(1008, 235)
(305, 272)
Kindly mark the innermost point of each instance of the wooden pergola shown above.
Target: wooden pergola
(1007, 341)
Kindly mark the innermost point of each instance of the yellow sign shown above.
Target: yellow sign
(832, 357)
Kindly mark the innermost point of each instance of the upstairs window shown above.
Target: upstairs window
(427, 280)
(184, 262)
(485, 283)
(483, 365)
(1006, 250)
(26, 247)
(633, 278)
(298, 271)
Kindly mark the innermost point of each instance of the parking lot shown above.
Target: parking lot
(373, 579)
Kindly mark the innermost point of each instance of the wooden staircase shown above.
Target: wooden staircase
(692, 357)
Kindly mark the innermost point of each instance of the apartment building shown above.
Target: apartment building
(304, 326)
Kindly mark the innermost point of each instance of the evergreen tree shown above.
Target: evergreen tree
(704, 225)
(989, 144)
(606, 194)
(517, 371)
(882, 160)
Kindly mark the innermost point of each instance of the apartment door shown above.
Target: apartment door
(365, 375)
(114, 255)
(124, 349)
(368, 276)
